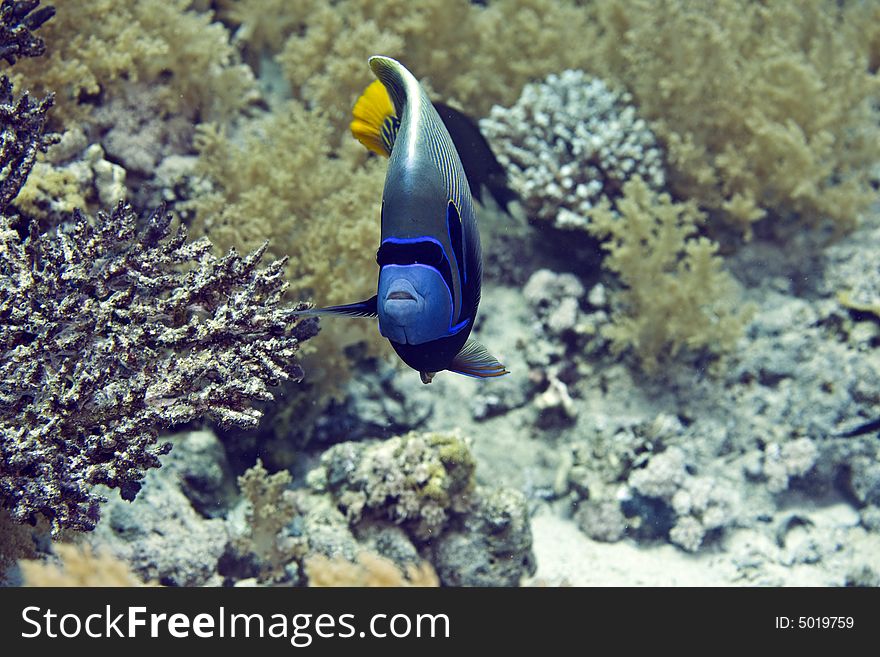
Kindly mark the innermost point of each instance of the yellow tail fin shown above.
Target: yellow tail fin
(375, 122)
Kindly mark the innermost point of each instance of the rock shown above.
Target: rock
(162, 536)
(490, 546)
(203, 472)
(601, 520)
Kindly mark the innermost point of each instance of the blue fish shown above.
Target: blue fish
(430, 263)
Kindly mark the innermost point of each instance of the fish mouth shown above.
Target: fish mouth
(400, 295)
(401, 290)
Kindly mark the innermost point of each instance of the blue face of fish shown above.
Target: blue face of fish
(415, 303)
(429, 255)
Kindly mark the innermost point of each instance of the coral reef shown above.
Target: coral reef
(110, 334)
(161, 535)
(379, 405)
(18, 20)
(283, 174)
(565, 327)
(261, 26)
(137, 132)
(202, 472)
(18, 541)
(556, 300)
(713, 122)
(739, 95)
(700, 504)
(602, 520)
(782, 462)
(510, 42)
(424, 483)
(570, 141)
(398, 496)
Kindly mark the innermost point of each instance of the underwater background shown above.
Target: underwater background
(684, 288)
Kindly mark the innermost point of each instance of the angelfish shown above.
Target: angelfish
(429, 256)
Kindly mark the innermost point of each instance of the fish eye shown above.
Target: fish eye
(433, 257)
(410, 253)
(417, 252)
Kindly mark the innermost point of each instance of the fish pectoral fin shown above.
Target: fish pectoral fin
(374, 121)
(359, 309)
(476, 361)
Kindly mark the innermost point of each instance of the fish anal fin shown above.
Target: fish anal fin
(476, 361)
(374, 121)
(358, 309)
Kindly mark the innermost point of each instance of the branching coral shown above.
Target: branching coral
(677, 294)
(18, 20)
(23, 125)
(109, 335)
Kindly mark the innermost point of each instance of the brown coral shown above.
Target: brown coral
(109, 334)
(764, 107)
(472, 55)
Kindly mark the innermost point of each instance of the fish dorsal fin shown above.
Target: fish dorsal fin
(481, 167)
(374, 121)
(475, 360)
